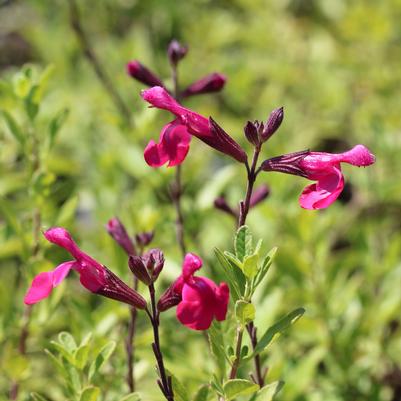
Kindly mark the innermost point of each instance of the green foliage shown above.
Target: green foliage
(238, 387)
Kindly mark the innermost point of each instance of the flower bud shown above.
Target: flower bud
(154, 262)
(221, 204)
(259, 195)
(289, 163)
(176, 52)
(210, 83)
(273, 123)
(117, 230)
(145, 238)
(251, 133)
(139, 270)
(169, 299)
(142, 74)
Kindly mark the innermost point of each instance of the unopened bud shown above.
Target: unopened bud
(176, 52)
(221, 204)
(117, 230)
(139, 270)
(210, 83)
(251, 133)
(273, 123)
(145, 238)
(142, 74)
(169, 299)
(259, 195)
(154, 262)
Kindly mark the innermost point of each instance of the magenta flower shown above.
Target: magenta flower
(210, 83)
(199, 299)
(94, 276)
(174, 139)
(325, 168)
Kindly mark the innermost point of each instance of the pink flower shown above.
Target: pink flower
(93, 276)
(174, 139)
(325, 168)
(199, 299)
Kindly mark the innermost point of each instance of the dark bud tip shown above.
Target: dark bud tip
(139, 270)
(210, 83)
(273, 123)
(142, 74)
(259, 195)
(251, 133)
(221, 204)
(176, 52)
(118, 232)
(145, 238)
(154, 262)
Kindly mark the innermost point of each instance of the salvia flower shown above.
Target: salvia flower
(94, 276)
(142, 74)
(199, 300)
(325, 168)
(213, 82)
(118, 232)
(175, 137)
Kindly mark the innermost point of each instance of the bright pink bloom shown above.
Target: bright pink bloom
(325, 168)
(210, 83)
(199, 299)
(93, 276)
(175, 137)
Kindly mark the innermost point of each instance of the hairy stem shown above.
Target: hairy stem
(129, 344)
(237, 360)
(244, 210)
(90, 55)
(164, 383)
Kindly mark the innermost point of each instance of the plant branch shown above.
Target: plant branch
(258, 368)
(165, 380)
(75, 22)
(237, 360)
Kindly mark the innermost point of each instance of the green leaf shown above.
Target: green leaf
(32, 103)
(55, 124)
(90, 394)
(267, 262)
(202, 393)
(37, 397)
(180, 392)
(268, 392)
(63, 351)
(278, 328)
(238, 387)
(243, 243)
(244, 312)
(14, 128)
(131, 397)
(22, 84)
(102, 357)
(216, 341)
(231, 274)
(250, 267)
(67, 340)
(81, 356)
(73, 379)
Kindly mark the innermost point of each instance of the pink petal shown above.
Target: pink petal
(92, 278)
(324, 192)
(155, 155)
(40, 288)
(192, 315)
(201, 290)
(222, 299)
(359, 156)
(61, 271)
(160, 98)
(191, 264)
(173, 146)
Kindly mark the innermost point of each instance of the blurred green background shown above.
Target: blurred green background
(333, 65)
